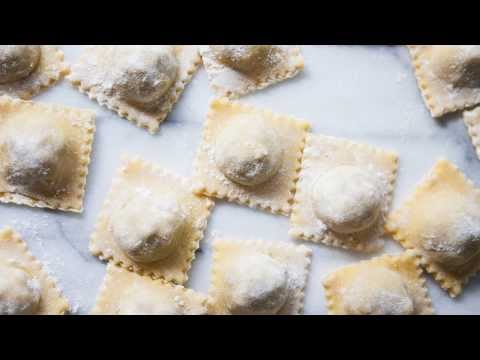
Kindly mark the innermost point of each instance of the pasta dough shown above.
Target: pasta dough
(386, 285)
(378, 291)
(140, 301)
(459, 66)
(142, 75)
(442, 222)
(37, 160)
(451, 230)
(244, 58)
(146, 238)
(256, 285)
(127, 293)
(252, 161)
(18, 61)
(347, 199)
(472, 121)
(19, 292)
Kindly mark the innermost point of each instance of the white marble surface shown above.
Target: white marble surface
(364, 93)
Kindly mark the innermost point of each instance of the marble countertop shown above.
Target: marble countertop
(363, 93)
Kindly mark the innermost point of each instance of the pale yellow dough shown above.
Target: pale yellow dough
(41, 71)
(386, 285)
(44, 154)
(448, 76)
(159, 238)
(249, 156)
(236, 70)
(127, 293)
(472, 121)
(25, 287)
(441, 220)
(343, 193)
(110, 75)
(258, 278)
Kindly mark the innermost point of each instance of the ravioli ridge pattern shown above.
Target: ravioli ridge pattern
(472, 121)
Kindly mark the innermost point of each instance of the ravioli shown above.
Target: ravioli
(441, 220)
(44, 154)
(448, 76)
(385, 285)
(127, 293)
(140, 83)
(151, 222)
(236, 70)
(249, 156)
(26, 70)
(258, 278)
(343, 193)
(25, 287)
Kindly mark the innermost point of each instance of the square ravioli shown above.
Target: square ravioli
(151, 222)
(25, 70)
(140, 83)
(25, 287)
(441, 220)
(448, 76)
(386, 285)
(44, 154)
(127, 293)
(343, 193)
(472, 121)
(249, 156)
(258, 278)
(236, 70)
